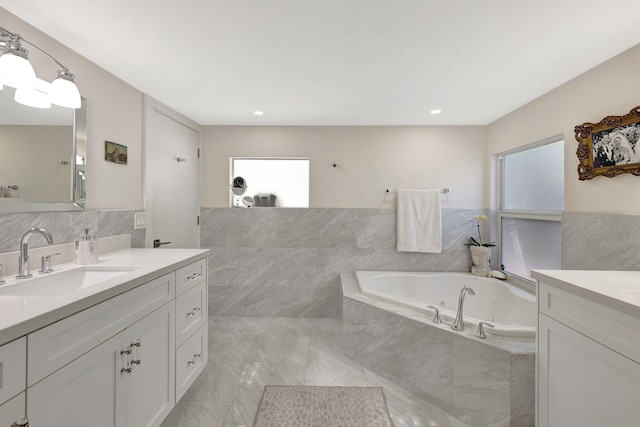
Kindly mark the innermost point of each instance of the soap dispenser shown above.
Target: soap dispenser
(86, 249)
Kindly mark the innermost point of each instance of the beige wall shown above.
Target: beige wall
(29, 158)
(114, 114)
(369, 159)
(612, 88)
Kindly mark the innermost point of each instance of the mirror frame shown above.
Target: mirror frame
(9, 206)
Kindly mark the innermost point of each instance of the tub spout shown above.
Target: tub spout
(458, 324)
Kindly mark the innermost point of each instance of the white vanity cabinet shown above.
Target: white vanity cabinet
(191, 325)
(112, 364)
(588, 361)
(13, 375)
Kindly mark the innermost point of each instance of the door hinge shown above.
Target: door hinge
(198, 153)
(198, 220)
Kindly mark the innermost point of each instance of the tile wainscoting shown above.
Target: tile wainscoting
(67, 226)
(287, 262)
(593, 241)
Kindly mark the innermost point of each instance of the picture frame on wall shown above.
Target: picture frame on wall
(115, 153)
(610, 147)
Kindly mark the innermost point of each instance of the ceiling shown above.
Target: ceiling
(340, 62)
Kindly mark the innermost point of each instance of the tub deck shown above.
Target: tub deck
(482, 382)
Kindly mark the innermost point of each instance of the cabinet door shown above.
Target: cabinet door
(151, 384)
(583, 383)
(88, 391)
(12, 411)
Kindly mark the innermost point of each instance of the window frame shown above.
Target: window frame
(555, 215)
(232, 172)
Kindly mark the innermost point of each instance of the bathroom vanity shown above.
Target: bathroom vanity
(120, 349)
(588, 348)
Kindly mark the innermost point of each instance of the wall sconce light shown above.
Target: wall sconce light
(16, 71)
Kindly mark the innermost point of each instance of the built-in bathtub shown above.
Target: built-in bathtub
(511, 310)
(483, 383)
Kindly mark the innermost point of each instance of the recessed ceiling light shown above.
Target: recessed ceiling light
(258, 113)
(436, 111)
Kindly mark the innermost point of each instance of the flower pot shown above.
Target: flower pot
(480, 256)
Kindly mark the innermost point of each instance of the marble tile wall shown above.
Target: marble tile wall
(67, 226)
(479, 384)
(287, 262)
(593, 241)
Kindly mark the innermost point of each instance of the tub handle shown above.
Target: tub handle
(436, 318)
(480, 332)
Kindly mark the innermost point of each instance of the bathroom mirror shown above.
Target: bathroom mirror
(42, 156)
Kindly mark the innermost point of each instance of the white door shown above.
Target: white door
(172, 191)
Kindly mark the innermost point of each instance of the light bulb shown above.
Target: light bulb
(38, 97)
(16, 71)
(64, 92)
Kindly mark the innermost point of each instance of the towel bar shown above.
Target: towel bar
(443, 190)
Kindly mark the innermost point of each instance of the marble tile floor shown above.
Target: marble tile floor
(247, 353)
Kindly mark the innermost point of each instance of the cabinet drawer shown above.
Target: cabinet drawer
(612, 328)
(54, 346)
(191, 359)
(13, 369)
(191, 311)
(189, 276)
(13, 410)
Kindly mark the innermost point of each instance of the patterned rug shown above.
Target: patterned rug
(305, 406)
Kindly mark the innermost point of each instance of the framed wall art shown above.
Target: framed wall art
(610, 147)
(116, 153)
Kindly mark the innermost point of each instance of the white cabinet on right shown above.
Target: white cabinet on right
(588, 361)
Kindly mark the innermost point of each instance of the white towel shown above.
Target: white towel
(419, 221)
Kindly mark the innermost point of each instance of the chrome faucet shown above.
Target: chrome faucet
(23, 260)
(458, 324)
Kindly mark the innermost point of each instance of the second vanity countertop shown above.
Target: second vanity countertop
(21, 315)
(618, 290)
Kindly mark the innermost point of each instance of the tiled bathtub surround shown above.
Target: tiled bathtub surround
(67, 226)
(483, 383)
(287, 262)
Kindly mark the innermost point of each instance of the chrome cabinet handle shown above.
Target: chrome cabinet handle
(126, 370)
(2, 281)
(194, 311)
(195, 359)
(22, 423)
(138, 345)
(193, 276)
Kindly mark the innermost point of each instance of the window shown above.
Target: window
(531, 205)
(279, 182)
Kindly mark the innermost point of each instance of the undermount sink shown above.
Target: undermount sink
(64, 282)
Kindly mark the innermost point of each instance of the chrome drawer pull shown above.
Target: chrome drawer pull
(194, 311)
(194, 360)
(126, 370)
(138, 361)
(193, 276)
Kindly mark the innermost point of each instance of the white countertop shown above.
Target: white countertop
(619, 290)
(20, 315)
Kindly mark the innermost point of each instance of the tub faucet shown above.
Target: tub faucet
(458, 324)
(23, 260)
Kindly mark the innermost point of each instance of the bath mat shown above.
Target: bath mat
(307, 406)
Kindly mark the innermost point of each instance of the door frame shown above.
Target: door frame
(150, 107)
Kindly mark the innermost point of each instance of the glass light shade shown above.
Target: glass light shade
(16, 71)
(38, 97)
(64, 93)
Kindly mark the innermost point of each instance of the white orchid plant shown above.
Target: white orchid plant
(472, 241)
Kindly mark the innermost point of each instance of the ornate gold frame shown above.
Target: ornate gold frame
(584, 135)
